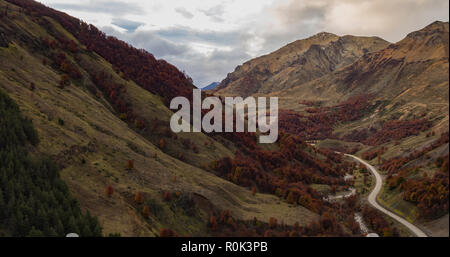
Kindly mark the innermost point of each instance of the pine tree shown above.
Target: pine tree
(35, 233)
(2, 205)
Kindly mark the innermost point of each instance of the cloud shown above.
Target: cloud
(391, 20)
(203, 67)
(209, 39)
(212, 67)
(107, 7)
(126, 24)
(215, 13)
(185, 13)
(150, 41)
(218, 38)
(301, 12)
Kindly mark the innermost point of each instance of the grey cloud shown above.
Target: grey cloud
(298, 20)
(214, 67)
(185, 13)
(276, 25)
(401, 17)
(186, 34)
(391, 20)
(108, 7)
(150, 41)
(202, 68)
(127, 24)
(296, 12)
(215, 13)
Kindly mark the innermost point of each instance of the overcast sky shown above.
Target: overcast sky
(208, 39)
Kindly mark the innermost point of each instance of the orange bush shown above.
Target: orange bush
(146, 211)
(109, 191)
(139, 198)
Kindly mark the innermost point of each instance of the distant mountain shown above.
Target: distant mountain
(211, 86)
(297, 63)
(413, 70)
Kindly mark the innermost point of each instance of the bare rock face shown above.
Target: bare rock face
(297, 63)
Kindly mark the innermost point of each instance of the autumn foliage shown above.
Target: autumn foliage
(157, 76)
(167, 196)
(272, 222)
(373, 153)
(146, 211)
(286, 173)
(109, 190)
(139, 198)
(375, 220)
(166, 232)
(396, 130)
(129, 165)
(396, 163)
(319, 122)
(429, 193)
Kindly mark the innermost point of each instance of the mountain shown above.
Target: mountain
(86, 129)
(416, 64)
(297, 63)
(387, 104)
(99, 107)
(211, 86)
(407, 120)
(409, 77)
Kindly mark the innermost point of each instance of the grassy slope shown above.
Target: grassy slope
(93, 133)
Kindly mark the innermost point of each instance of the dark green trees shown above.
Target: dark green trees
(34, 201)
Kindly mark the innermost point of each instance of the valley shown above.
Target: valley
(357, 114)
(373, 200)
(388, 102)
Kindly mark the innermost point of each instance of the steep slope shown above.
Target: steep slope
(82, 129)
(297, 63)
(406, 81)
(412, 70)
(100, 108)
(33, 199)
(157, 76)
(103, 119)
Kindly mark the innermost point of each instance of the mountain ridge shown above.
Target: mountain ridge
(296, 63)
(414, 51)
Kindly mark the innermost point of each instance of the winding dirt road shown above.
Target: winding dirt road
(373, 199)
